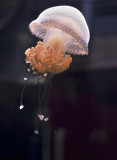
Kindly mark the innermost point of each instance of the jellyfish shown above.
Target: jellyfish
(63, 31)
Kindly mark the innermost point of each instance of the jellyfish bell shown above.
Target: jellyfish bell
(62, 29)
(66, 22)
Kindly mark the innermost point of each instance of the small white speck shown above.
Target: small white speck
(36, 131)
(41, 117)
(25, 78)
(46, 119)
(28, 69)
(45, 74)
(21, 107)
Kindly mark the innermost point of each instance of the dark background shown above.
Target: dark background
(82, 100)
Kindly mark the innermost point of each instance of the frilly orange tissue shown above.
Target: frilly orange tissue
(48, 58)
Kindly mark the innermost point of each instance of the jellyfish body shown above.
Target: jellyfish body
(62, 29)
